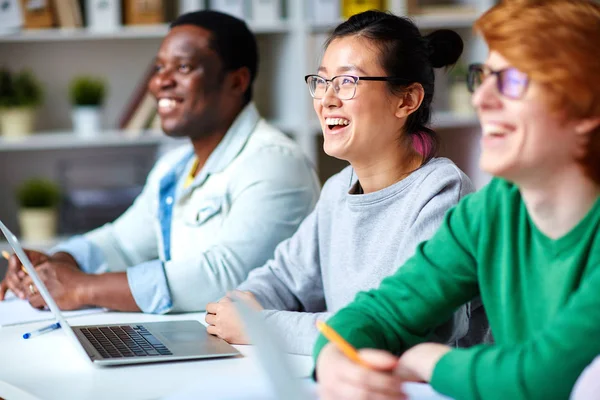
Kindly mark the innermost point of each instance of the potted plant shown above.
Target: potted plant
(459, 96)
(20, 94)
(38, 208)
(87, 95)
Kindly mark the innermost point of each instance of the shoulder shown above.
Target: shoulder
(440, 175)
(270, 155)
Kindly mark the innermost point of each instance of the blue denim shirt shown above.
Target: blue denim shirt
(183, 247)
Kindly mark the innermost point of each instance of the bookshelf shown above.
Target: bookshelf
(289, 48)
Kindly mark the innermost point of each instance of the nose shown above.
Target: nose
(486, 95)
(164, 78)
(330, 99)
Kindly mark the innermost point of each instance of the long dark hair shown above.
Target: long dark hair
(405, 53)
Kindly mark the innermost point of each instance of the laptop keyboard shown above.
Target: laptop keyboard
(124, 341)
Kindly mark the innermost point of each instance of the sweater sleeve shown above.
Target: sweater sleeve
(421, 295)
(292, 279)
(544, 367)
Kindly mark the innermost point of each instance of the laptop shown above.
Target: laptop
(122, 344)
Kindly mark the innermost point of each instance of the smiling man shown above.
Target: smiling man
(210, 211)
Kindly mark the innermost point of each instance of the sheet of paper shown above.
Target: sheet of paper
(255, 388)
(15, 311)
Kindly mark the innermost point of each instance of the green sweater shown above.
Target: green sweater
(542, 298)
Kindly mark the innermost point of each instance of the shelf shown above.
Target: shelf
(125, 32)
(429, 21)
(450, 120)
(68, 140)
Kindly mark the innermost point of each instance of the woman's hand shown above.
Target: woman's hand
(223, 320)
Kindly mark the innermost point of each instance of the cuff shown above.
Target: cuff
(89, 257)
(451, 375)
(149, 287)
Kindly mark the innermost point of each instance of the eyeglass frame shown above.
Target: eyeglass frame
(356, 80)
(499, 81)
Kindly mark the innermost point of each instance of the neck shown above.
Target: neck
(385, 170)
(208, 141)
(559, 203)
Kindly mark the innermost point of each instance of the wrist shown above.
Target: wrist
(84, 290)
(64, 257)
(422, 359)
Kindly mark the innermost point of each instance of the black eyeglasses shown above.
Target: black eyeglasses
(344, 86)
(510, 82)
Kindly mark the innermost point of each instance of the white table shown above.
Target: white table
(50, 367)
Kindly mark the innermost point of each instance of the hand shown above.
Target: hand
(419, 361)
(223, 320)
(65, 282)
(15, 275)
(341, 378)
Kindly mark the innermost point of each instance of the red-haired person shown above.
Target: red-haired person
(528, 243)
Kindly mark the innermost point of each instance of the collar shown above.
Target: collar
(228, 148)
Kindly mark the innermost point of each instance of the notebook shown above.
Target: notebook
(14, 311)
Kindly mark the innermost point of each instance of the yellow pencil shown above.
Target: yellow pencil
(341, 343)
(7, 256)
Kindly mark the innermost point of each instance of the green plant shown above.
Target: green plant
(38, 193)
(87, 91)
(458, 73)
(19, 90)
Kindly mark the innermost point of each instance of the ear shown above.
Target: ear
(410, 101)
(587, 125)
(239, 80)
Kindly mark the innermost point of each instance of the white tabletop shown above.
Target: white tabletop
(50, 367)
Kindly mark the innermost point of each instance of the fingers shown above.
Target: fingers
(212, 308)
(211, 319)
(212, 330)
(3, 289)
(379, 359)
(37, 301)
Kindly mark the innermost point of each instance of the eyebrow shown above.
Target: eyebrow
(345, 68)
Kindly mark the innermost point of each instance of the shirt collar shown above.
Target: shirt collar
(229, 147)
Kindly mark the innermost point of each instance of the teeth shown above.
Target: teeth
(166, 103)
(336, 121)
(493, 131)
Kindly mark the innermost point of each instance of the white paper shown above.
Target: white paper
(15, 311)
(11, 18)
(253, 388)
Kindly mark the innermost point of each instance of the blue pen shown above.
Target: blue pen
(40, 331)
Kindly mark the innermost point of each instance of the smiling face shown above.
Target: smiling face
(523, 140)
(187, 83)
(365, 126)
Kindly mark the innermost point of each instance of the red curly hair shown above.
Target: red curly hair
(557, 44)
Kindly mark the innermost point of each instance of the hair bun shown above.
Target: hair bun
(446, 47)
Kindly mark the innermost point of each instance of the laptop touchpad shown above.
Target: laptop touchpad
(183, 336)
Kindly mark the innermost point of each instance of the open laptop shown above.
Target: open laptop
(120, 344)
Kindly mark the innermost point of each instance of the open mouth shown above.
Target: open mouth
(166, 105)
(336, 124)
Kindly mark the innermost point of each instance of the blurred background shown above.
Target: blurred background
(79, 132)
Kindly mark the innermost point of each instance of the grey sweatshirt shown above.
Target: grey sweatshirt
(349, 243)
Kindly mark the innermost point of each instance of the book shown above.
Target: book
(142, 117)
(266, 11)
(237, 8)
(76, 12)
(352, 7)
(103, 15)
(64, 15)
(186, 6)
(11, 17)
(323, 11)
(136, 97)
(143, 12)
(37, 14)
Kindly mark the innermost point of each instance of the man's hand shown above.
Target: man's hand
(15, 275)
(65, 282)
(223, 320)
